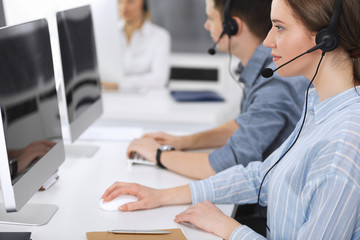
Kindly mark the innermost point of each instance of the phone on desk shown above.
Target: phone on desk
(136, 158)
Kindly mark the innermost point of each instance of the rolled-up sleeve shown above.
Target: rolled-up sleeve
(272, 111)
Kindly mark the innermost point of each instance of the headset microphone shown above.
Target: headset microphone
(268, 72)
(212, 50)
(229, 25)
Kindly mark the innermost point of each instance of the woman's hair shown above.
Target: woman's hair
(316, 15)
(255, 13)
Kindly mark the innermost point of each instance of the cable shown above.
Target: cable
(297, 137)
(229, 67)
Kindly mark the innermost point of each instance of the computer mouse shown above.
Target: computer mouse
(114, 204)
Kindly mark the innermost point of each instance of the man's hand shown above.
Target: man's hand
(146, 147)
(167, 139)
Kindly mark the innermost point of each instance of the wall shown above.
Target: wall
(2, 14)
(104, 16)
(184, 19)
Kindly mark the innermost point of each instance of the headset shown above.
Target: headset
(328, 36)
(230, 26)
(145, 6)
(327, 39)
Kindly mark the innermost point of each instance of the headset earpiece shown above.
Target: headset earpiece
(329, 35)
(330, 38)
(230, 26)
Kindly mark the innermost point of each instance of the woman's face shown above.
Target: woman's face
(289, 38)
(130, 10)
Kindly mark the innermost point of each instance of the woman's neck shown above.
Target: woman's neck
(334, 77)
(131, 26)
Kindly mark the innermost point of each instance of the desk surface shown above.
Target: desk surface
(158, 106)
(82, 182)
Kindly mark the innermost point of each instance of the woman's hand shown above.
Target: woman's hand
(209, 218)
(147, 197)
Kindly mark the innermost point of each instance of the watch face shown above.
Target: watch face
(166, 148)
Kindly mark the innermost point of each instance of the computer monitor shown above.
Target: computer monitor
(80, 69)
(30, 128)
(198, 72)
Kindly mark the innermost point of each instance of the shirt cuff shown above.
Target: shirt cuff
(201, 191)
(244, 232)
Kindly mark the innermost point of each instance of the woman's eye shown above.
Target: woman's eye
(279, 28)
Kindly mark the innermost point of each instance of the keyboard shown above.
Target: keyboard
(136, 158)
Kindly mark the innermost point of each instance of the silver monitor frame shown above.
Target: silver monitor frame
(87, 118)
(16, 196)
(15, 208)
(82, 122)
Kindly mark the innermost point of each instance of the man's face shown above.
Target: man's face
(214, 25)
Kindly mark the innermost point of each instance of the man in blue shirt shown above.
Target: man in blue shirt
(270, 107)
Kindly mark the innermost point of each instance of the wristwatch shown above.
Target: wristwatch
(14, 164)
(159, 151)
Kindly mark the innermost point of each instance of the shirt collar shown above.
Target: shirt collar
(260, 58)
(325, 109)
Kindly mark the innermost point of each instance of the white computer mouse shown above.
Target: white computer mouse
(117, 202)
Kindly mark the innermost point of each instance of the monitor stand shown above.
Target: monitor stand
(30, 215)
(80, 150)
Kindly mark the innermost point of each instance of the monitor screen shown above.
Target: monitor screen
(30, 128)
(194, 74)
(80, 68)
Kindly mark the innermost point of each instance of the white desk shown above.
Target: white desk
(82, 182)
(158, 106)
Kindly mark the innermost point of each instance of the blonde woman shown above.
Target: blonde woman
(145, 48)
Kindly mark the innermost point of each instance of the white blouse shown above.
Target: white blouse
(146, 58)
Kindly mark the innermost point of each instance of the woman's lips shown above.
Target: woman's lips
(275, 57)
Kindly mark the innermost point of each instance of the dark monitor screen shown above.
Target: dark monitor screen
(29, 108)
(194, 74)
(79, 60)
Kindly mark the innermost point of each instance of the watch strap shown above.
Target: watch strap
(158, 155)
(158, 162)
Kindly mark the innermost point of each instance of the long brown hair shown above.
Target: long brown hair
(316, 15)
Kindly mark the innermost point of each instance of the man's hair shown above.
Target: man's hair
(255, 14)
